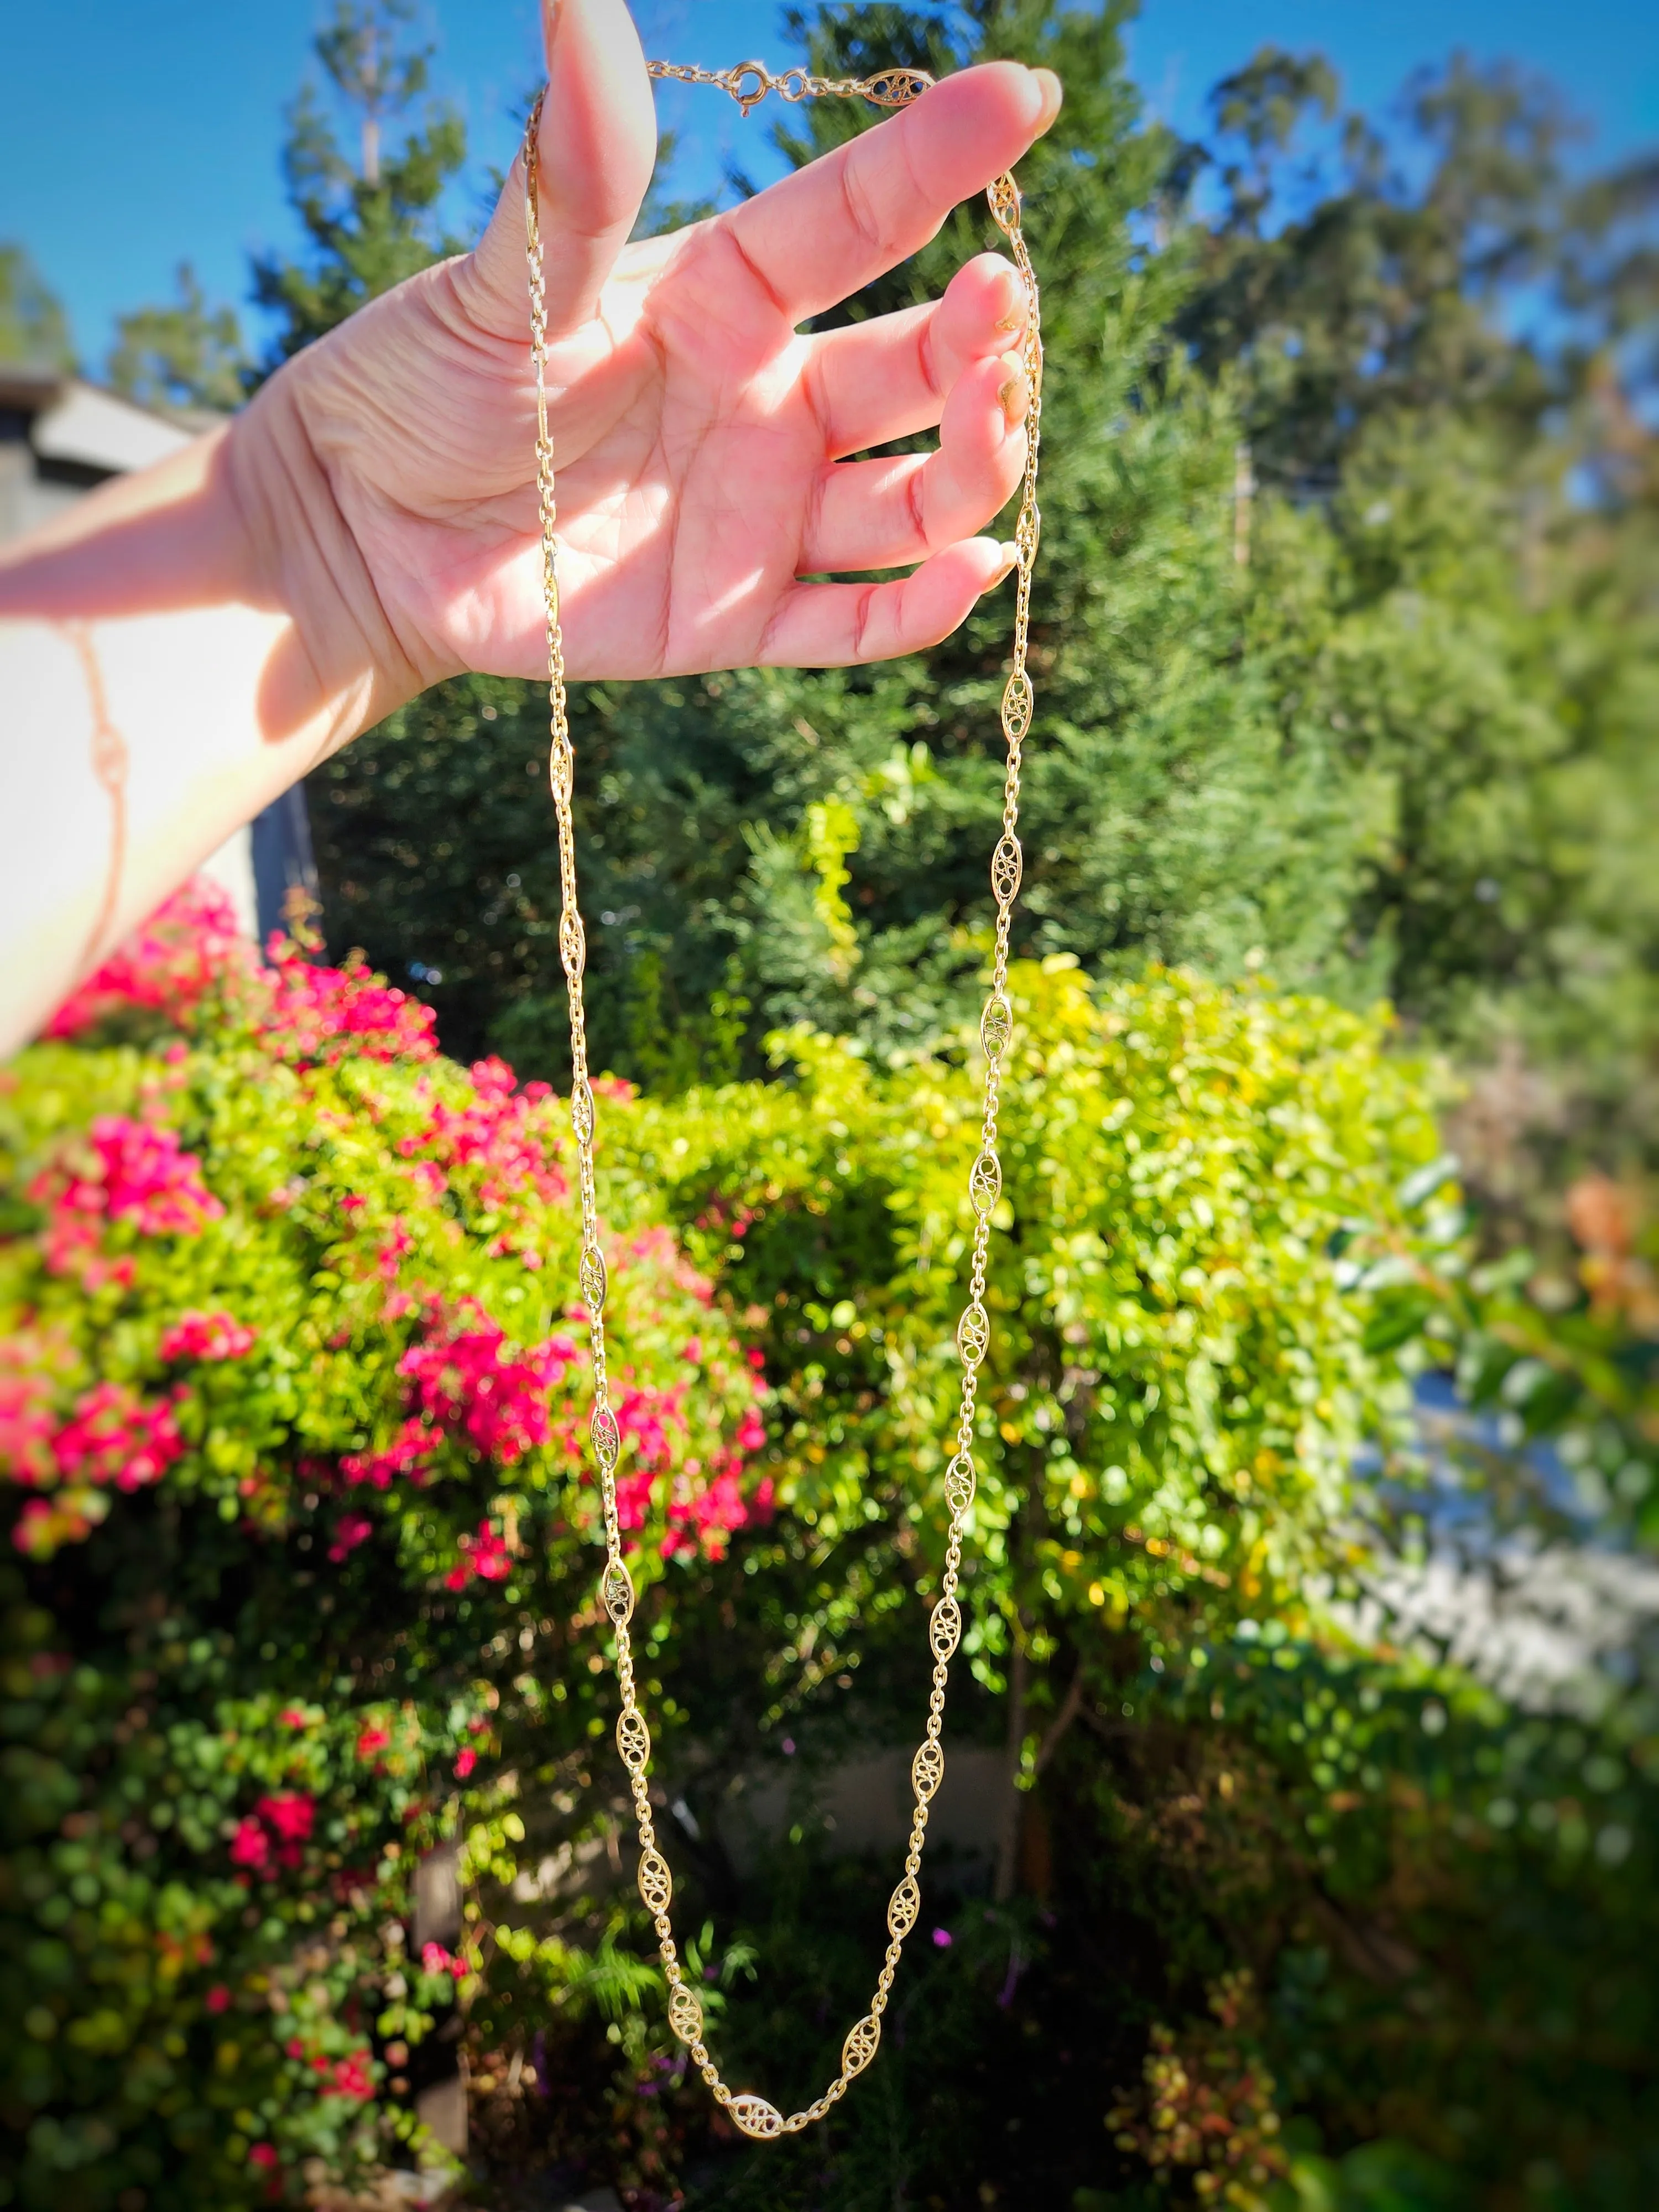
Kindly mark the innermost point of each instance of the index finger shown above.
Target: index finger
(816, 236)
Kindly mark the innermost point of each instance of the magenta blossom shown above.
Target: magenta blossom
(217, 1335)
(114, 1438)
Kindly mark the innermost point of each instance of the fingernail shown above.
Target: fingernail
(1013, 394)
(1010, 556)
(1053, 93)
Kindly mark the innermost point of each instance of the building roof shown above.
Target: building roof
(79, 423)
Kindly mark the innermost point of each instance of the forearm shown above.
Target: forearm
(158, 686)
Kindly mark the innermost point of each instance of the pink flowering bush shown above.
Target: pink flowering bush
(294, 1255)
(294, 1397)
(189, 954)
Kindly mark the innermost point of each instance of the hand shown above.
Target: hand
(698, 437)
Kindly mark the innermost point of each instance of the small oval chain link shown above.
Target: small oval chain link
(749, 84)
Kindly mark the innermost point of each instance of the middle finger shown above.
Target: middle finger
(890, 377)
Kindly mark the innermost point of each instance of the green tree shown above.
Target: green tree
(1167, 814)
(370, 223)
(1346, 641)
(186, 354)
(33, 328)
(1442, 386)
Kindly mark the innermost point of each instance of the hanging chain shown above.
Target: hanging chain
(748, 84)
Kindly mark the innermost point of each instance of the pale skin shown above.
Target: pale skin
(367, 526)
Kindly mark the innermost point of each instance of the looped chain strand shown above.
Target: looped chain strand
(749, 84)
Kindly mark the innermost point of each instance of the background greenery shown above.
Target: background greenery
(1347, 664)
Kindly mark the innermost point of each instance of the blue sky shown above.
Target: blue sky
(133, 136)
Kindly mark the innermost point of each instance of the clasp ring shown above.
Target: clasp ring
(734, 84)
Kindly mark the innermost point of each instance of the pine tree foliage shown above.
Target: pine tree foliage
(1346, 638)
(33, 328)
(371, 224)
(186, 354)
(1164, 815)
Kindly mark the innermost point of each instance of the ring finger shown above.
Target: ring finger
(889, 377)
(886, 513)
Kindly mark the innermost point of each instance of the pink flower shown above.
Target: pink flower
(25, 1427)
(492, 1392)
(217, 1998)
(217, 1335)
(657, 1247)
(713, 1514)
(392, 1249)
(189, 946)
(250, 1846)
(407, 1453)
(465, 1760)
(328, 1013)
(634, 1497)
(293, 1717)
(263, 2154)
(435, 1960)
(646, 1413)
(485, 1554)
(113, 1437)
(287, 1818)
(289, 1815)
(123, 1170)
(501, 1145)
(34, 1363)
(349, 1530)
(372, 1738)
(351, 2077)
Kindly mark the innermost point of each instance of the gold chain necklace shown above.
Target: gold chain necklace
(748, 84)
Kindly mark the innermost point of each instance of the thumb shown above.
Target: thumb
(596, 149)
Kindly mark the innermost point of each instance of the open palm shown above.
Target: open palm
(698, 435)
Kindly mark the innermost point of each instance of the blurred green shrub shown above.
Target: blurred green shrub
(302, 1586)
(289, 1406)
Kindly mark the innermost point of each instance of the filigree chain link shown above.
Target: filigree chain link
(749, 84)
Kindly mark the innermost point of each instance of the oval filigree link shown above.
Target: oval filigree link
(607, 1439)
(928, 1770)
(945, 1628)
(896, 87)
(1018, 701)
(573, 942)
(862, 2039)
(1007, 870)
(562, 769)
(974, 1334)
(756, 2118)
(902, 1906)
(591, 1277)
(996, 1026)
(684, 2013)
(959, 1484)
(656, 1882)
(617, 1593)
(633, 1739)
(985, 1182)
(582, 1110)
